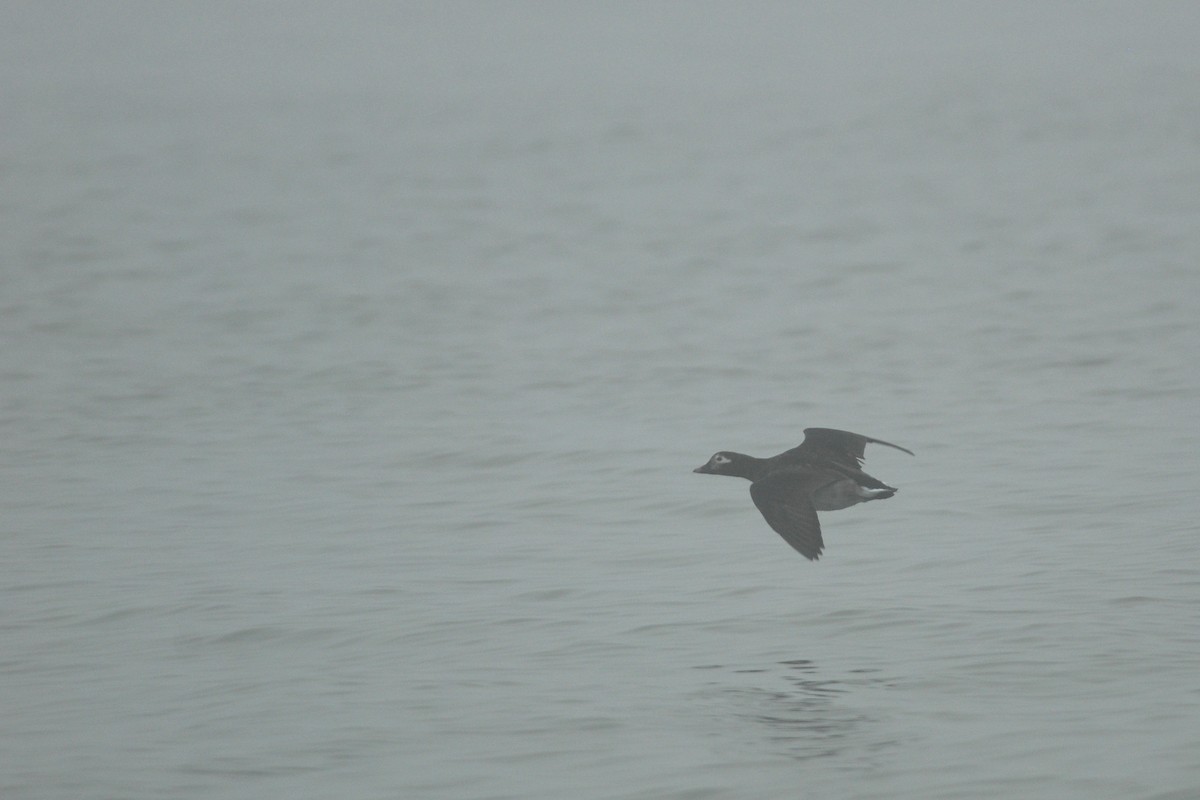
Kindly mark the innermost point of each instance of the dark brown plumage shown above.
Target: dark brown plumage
(823, 473)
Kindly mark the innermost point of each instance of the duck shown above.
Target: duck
(822, 473)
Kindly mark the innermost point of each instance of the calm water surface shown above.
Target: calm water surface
(354, 371)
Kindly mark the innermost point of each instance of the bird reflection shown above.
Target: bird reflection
(803, 719)
(806, 720)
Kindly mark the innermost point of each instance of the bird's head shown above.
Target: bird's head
(725, 463)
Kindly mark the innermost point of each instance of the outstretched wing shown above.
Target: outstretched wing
(838, 447)
(783, 497)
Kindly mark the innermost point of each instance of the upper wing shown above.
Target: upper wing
(839, 447)
(783, 499)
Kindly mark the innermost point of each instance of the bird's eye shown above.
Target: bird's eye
(720, 459)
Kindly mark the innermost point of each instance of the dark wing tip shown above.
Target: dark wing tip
(893, 446)
(783, 501)
(832, 436)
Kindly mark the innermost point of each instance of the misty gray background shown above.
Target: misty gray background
(356, 358)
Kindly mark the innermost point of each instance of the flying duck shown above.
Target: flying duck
(822, 474)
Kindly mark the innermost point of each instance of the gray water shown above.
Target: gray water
(356, 359)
